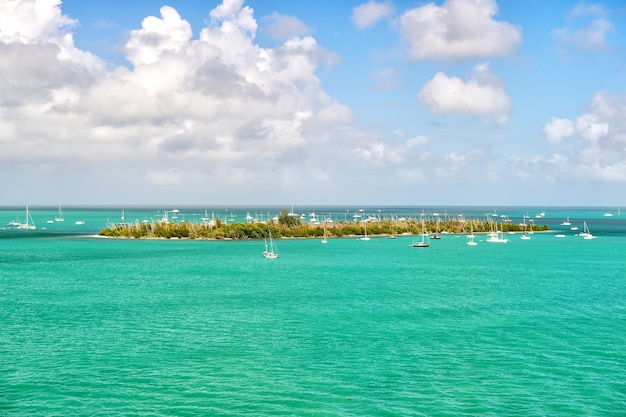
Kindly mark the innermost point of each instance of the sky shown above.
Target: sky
(263, 102)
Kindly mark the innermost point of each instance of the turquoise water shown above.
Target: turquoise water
(99, 327)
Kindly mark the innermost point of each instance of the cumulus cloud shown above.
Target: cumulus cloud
(37, 47)
(157, 36)
(458, 29)
(590, 128)
(596, 140)
(481, 95)
(368, 14)
(557, 129)
(216, 106)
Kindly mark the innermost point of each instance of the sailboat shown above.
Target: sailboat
(16, 222)
(30, 224)
(566, 222)
(497, 237)
(586, 234)
(425, 242)
(365, 236)
(436, 236)
(324, 239)
(271, 251)
(525, 235)
(59, 217)
(471, 236)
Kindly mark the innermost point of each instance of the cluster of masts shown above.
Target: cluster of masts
(29, 223)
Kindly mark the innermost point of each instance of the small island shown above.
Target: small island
(288, 226)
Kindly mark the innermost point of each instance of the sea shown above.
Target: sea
(93, 326)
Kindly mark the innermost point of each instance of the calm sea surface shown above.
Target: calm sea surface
(105, 327)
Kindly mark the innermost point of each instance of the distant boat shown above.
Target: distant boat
(59, 217)
(559, 235)
(586, 234)
(436, 236)
(471, 235)
(271, 251)
(497, 237)
(540, 215)
(324, 239)
(392, 235)
(365, 236)
(471, 242)
(16, 222)
(566, 222)
(30, 224)
(525, 235)
(79, 222)
(425, 242)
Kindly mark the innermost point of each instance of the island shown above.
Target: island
(285, 225)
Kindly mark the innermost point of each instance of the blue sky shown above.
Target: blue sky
(458, 102)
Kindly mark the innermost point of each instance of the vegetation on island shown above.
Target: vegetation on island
(292, 226)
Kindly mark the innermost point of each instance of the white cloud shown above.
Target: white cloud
(459, 29)
(596, 146)
(284, 27)
(558, 129)
(186, 113)
(157, 36)
(38, 27)
(32, 21)
(481, 95)
(589, 128)
(368, 14)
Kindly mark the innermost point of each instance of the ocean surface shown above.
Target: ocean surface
(107, 327)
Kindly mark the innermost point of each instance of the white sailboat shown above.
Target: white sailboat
(498, 237)
(365, 236)
(59, 217)
(16, 222)
(425, 242)
(271, 251)
(566, 222)
(324, 239)
(471, 236)
(586, 234)
(526, 235)
(30, 224)
(436, 236)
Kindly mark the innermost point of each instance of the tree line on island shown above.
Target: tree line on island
(292, 226)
